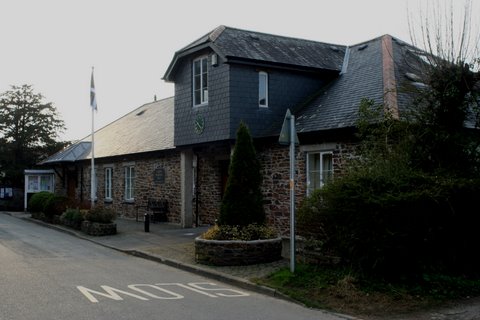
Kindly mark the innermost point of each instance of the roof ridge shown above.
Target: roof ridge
(215, 33)
(284, 37)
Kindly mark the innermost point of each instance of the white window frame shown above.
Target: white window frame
(108, 183)
(39, 182)
(262, 77)
(321, 171)
(203, 87)
(130, 183)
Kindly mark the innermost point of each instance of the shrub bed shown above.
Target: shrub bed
(73, 218)
(99, 222)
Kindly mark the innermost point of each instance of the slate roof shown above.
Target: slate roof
(145, 129)
(336, 105)
(70, 154)
(241, 45)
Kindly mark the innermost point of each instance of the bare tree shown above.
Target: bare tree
(447, 108)
(446, 32)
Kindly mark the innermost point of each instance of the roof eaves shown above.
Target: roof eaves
(286, 66)
(203, 42)
(178, 55)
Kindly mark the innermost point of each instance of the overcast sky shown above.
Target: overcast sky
(52, 44)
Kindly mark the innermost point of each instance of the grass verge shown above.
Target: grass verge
(341, 290)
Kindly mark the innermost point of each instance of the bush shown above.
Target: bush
(101, 215)
(310, 219)
(403, 224)
(246, 233)
(73, 218)
(56, 205)
(37, 202)
(75, 215)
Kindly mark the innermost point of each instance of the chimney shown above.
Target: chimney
(389, 82)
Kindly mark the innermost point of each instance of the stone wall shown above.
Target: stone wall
(212, 165)
(209, 186)
(275, 162)
(147, 183)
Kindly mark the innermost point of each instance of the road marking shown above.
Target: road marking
(173, 295)
(157, 291)
(187, 287)
(111, 293)
(237, 293)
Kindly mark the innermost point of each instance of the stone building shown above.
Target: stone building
(178, 149)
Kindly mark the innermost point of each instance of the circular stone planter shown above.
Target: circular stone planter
(236, 252)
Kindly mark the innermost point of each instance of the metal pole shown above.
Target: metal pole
(292, 193)
(92, 173)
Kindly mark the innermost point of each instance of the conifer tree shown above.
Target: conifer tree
(242, 203)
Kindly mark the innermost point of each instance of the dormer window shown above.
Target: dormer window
(200, 81)
(263, 89)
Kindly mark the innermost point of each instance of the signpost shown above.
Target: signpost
(288, 136)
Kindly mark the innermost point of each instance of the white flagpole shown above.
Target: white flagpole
(92, 174)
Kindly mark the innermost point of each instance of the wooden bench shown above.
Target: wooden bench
(157, 209)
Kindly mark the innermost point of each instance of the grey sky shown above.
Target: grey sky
(52, 44)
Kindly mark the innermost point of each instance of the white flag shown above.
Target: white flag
(93, 98)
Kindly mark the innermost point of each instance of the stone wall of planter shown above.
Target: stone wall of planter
(233, 252)
(74, 224)
(99, 229)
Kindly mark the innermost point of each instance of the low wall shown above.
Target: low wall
(99, 229)
(234, 252)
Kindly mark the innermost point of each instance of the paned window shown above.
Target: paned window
(130, 183)
(37, 183)
(108, 183)
(200, 81)
(319, 170)
(263, 89)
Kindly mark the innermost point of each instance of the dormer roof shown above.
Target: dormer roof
(242, 46)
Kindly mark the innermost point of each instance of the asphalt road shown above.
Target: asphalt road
(46, 274)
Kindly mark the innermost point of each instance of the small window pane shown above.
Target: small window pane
(262, 89)
(200, 81)
(196, 82)
(197, 97)
(320, 170)
(327, 167)
(196, 67)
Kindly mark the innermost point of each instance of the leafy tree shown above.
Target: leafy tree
(29, 129)
(447, 120)
(242, 203)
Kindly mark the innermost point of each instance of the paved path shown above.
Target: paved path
(171, 245)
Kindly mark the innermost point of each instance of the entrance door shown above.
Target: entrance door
(71, 183)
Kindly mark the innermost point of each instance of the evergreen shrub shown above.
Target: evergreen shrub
(100, 215)
(56, 206)
(73, 217)
(37, 202)
(397, 224)
(242, 204)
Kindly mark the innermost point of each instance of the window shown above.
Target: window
(319, 170)
(37, 183)
(108, 183)
(200, 81)
(263, 89)
(129, 183)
